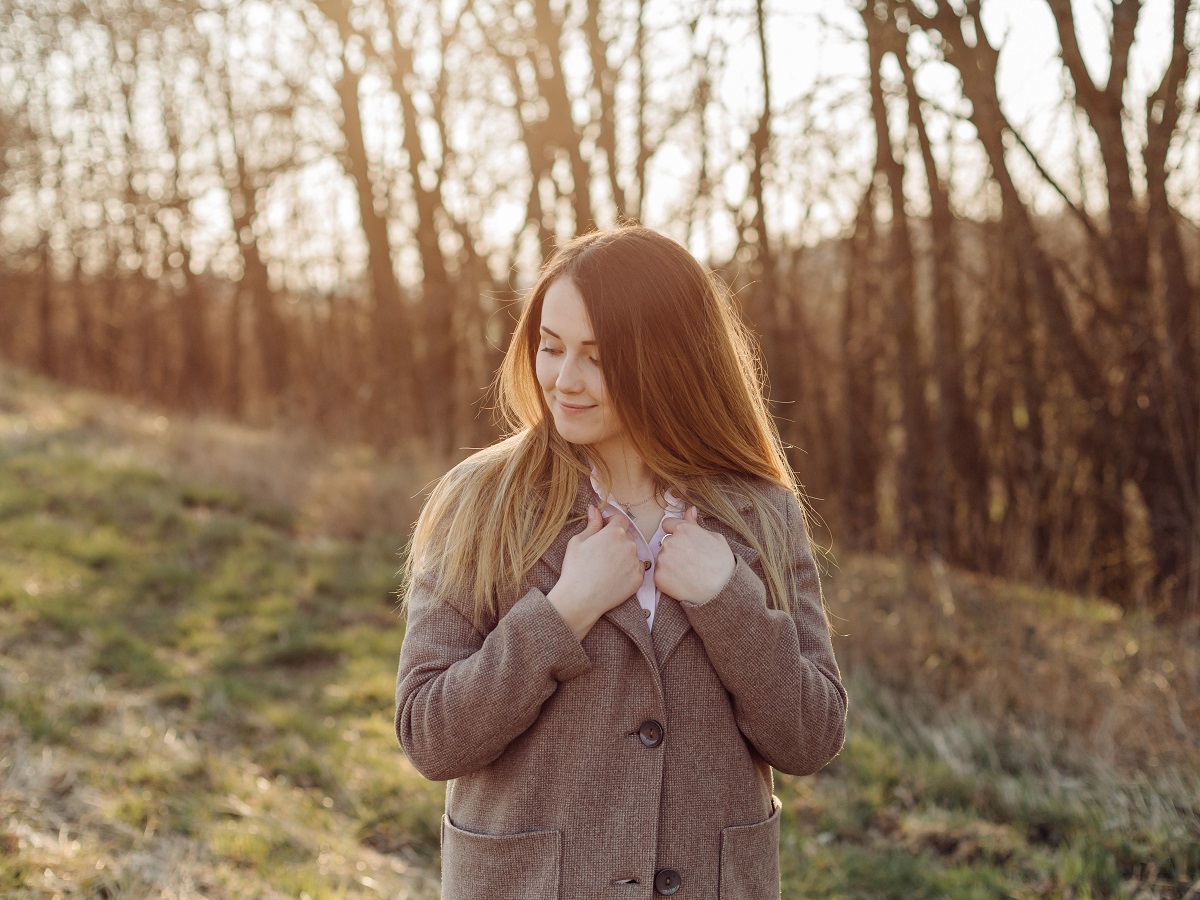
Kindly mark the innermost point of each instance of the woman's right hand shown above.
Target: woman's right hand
(601, 570)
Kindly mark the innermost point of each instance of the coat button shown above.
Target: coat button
(666, 881)
(651, 734)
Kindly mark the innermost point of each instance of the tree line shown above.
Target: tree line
(325, 211)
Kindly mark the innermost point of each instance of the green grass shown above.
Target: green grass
(196, 694)
(182, 674)
(891, 817)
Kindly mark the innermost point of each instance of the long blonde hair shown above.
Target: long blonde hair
(687, 387)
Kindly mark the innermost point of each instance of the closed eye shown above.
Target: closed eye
(555, 351)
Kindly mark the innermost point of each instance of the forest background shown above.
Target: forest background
(325, 211)
(965, 233)
(980, 325)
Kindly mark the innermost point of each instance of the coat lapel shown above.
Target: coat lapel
(670, 625)
(628, 617)
(670, 621)
(632, 621)
(576, 521)
(749, 554)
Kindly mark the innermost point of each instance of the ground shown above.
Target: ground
(198, 639)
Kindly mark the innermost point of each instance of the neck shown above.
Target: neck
(631, 480)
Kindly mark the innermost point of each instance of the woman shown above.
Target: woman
(615, 625)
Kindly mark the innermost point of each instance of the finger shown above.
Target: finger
(692, 515)
(595, 522)
(620, 523)
(671, 523)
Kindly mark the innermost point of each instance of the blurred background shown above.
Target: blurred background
(965, 233)
(267, 254)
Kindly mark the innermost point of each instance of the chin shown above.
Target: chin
(573, 435)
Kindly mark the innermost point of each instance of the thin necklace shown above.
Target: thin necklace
(627, 506)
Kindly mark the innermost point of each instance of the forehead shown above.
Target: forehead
(564, 314)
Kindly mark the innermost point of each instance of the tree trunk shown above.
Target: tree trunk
(913, 468)
(392, 395)
(642, 156)
(959, 444)
(760, 142)
(435, 377)
(46, 356)
(861, 446)
(604, 83)
(545, 55)
(1166, 412)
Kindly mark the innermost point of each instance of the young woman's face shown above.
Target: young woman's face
(568, 370)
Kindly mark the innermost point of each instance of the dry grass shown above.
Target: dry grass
(84, 815)
(1090, 681)
(195, 663)
(332, 491)
(197, 647)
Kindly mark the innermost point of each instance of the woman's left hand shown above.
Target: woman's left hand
(693, 563)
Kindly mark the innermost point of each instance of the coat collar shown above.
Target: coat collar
(670, 621)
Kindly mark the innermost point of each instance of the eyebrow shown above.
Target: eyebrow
(557, 338)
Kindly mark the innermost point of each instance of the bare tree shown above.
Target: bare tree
(334, 222)
(913, 476)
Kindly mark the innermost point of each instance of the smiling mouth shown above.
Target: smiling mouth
(575, 408)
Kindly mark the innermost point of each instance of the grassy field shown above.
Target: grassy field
(198, 638)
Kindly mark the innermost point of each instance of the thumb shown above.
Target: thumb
(595, 522)
(692, 515)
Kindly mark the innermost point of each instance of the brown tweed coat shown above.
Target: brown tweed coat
(633, 764)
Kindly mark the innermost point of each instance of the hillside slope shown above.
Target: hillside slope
(197, 650)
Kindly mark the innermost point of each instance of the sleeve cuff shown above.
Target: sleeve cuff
(555, 647)
(727, 610)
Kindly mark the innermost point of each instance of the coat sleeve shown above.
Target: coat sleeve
(461, 696)
(778, 666)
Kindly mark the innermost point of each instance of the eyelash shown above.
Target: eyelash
(551, 351)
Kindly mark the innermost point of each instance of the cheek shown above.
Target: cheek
(599, 391)
(545, 372)
(596, 386)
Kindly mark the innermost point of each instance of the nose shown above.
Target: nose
(569, 380)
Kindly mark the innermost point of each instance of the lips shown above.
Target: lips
(574, 408)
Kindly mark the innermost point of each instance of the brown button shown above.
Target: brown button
(647, 612)
(645, 565)
(666, 881)
(651, 734)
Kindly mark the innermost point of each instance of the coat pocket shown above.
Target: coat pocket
(750, 859)
(521, 866)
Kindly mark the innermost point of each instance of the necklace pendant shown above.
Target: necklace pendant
(629, 512)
